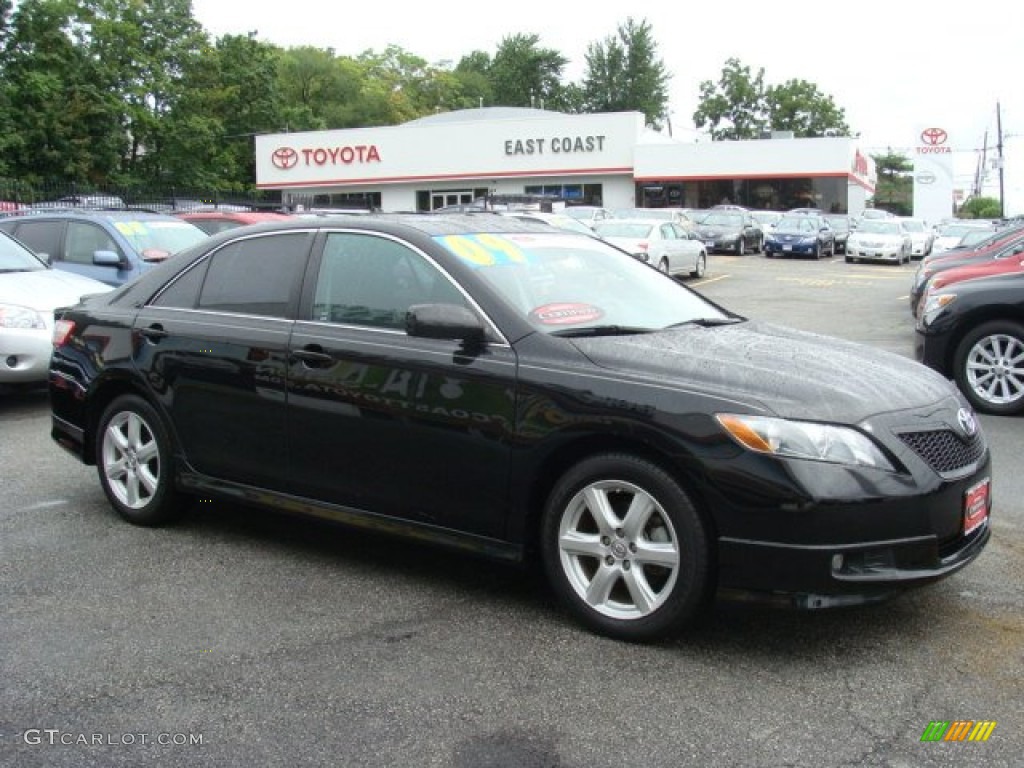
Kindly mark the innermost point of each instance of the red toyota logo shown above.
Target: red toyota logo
(934, 136)
(284, 158)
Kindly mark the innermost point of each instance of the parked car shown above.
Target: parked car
(588, 214)
(1006, 246)
(841, 227)
(1012, 262)
(527, 393)
(30, 290)
(951, 235)
(973, 332)
(879, 240)
(922, 236)
(800, 234)
(212, 222)
(113, 247)
(665, 245)
(730, 230)
(676, 215)
(766, 220)
(559, 220)
(871, 214)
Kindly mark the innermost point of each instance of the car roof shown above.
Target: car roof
(119, 214)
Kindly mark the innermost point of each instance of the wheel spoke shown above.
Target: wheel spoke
(656, 553)
(643, 596)
(601, 509)
(147, 452)
(639, 512)
(601, 585)
(581, 544)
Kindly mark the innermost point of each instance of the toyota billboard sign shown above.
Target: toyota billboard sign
(933, 174)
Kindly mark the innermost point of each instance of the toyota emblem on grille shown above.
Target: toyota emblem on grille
(967, 422)
(284, 158)
(934, 136)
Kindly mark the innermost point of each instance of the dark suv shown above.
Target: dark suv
(110, 246)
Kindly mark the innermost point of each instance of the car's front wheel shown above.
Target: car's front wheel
(133, 458)
(663, 265)
(989, 367)
(624, 547)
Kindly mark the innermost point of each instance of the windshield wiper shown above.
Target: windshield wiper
(707, 322)
(602, 330)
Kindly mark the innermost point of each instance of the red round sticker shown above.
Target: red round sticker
(566, 314)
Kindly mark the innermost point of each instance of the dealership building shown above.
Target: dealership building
(609, 159)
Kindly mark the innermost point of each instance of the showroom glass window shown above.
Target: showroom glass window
(254, 276)
(372, 280)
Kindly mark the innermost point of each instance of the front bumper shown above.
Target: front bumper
(880, 253)
(797, 248)
(24, 355)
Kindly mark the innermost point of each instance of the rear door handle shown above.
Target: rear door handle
(154, 333)
(313, 357)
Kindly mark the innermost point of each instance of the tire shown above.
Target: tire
(633, 571)
(663, 265)
(702, 266)
(760, 245)
(848, 259)
(988, 366)
(817, 251)
(135, 464)
(741, 247)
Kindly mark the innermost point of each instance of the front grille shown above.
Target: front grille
(944, 450)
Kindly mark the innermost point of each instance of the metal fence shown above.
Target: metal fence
(15, 195)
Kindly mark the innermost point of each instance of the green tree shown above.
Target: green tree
(736, 106)
(624, 74)
(980, 208)
(524, 75)
(894, 190)
(799, 106)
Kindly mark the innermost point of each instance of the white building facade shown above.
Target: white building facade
(608, 159)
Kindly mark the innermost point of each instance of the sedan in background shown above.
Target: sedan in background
(951, 235)
(509, 389)
(30, 291)
(559, 220)
(676, 215)
(1008, 264)
(664, 245)
(212, 222)
(922, 237)
(883, 239)
(973, 332)
(841, 226)
(730, 230)
(800, 234)
(588, 214)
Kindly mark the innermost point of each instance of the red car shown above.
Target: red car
(212, 222)
(986, 268)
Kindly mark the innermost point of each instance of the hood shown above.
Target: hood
(46, 289)
(790, 373)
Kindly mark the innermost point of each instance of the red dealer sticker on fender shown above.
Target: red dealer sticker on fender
(566, 314)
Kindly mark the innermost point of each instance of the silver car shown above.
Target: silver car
(30, 290)
(662, 244)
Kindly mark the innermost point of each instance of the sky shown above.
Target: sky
(894, 67)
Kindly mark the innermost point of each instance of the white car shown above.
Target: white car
(30, 291)
(559, 220)
(922, 237)
(879, 240)
(951, 235)
(662, 244)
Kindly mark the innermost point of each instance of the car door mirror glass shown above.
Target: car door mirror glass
(444, 321)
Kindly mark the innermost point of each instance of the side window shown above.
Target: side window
(373, 280)
(183, 293)
(257, 275)
(668, 232)
(84, 239)
(41, 236)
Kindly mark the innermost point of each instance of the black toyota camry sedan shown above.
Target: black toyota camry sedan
(528, 393)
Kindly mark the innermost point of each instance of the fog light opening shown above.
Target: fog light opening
(11, 361)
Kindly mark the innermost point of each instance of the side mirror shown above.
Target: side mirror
(106, 259)
(444, 321)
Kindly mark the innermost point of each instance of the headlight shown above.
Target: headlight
(934, 303)
(803, 440)
(14, 316)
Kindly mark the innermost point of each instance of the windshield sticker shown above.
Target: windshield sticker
(566, 314)
(484, 250)
(130, 227)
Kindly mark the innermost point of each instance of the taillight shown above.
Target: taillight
(643, 246)
(62, 329)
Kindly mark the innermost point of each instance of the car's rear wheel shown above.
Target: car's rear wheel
(133, 458)
(741, 247)
(700, 268)
(624, 547)
(663, 265)
(989, 367)
(817, 250)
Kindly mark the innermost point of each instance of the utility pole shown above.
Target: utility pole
(999, 146)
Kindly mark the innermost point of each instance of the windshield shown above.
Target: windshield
(913, 226)
(978, 236)
(880, 227)
(632, 229)
(807, 224)
(564, 283)
(14, 257)
(169, 236)
(717, 219)
(838, 223)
